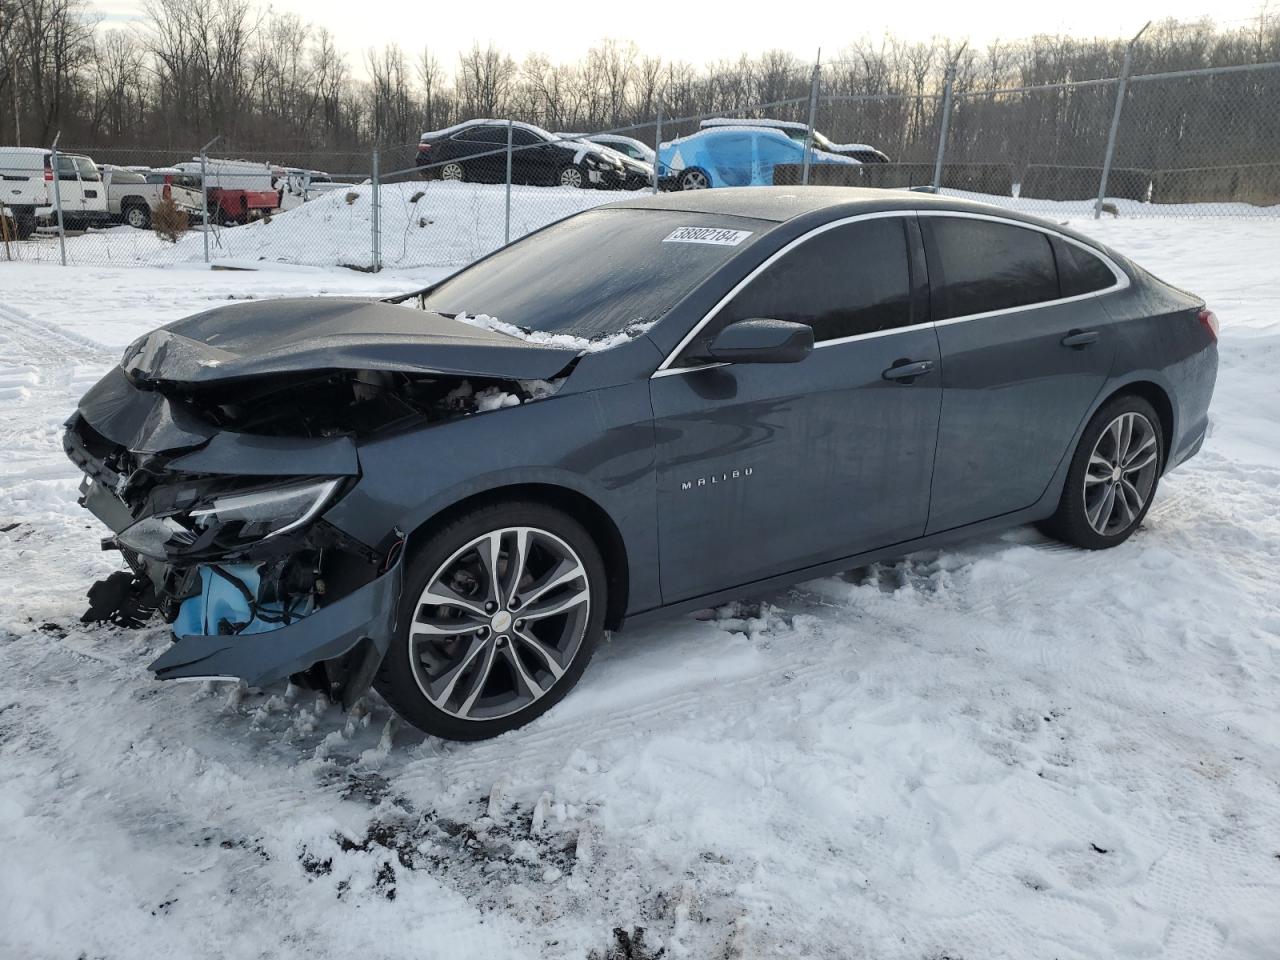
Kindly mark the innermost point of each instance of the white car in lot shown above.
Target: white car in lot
(30, 195)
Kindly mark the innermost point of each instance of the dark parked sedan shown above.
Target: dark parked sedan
(452, 495)
(476, 151)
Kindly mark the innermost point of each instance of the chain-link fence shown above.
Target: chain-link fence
(1182, 144)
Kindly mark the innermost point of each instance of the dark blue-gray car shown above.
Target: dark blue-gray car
(647, 408)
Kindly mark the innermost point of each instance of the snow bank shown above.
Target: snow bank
(422, 224)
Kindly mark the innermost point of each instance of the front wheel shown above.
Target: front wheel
(500, 613)
(1113, 476)
(571, 176)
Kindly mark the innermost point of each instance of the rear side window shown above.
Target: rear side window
(1080, 271)
(976, 266)
(483, 134)
(849, 280)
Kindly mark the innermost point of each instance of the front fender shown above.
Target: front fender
(599, 444)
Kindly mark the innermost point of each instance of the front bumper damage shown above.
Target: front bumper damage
(263, 657)
(311, 604)
(214, 450)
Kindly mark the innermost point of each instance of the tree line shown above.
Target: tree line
(271, 82)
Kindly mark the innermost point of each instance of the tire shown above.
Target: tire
(471, 673)
(1113, 476)
(693, 179)
(572, 176)
(454, 172)
(138, 216)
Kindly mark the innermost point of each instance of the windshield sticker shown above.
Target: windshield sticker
(715, 235)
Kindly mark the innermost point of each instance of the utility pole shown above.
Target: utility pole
(813, 116)
(204, 194)
(57, 197)
(1115, 122)
(948, 94)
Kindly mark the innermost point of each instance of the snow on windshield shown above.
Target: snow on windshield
(636, 328)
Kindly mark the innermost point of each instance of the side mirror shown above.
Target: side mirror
(762, 341)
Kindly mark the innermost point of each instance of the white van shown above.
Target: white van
(27, 189)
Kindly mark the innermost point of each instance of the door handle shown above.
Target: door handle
(1079, 339)
(907, 370)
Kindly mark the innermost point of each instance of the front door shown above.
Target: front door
(1024, 353)
(769, 468)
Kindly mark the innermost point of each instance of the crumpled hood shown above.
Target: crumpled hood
(331, 333)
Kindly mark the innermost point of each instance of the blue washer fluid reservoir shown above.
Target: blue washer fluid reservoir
(220, 599)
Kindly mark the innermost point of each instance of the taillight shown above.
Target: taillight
(48, 175)
(1209, 320)
(424, 148)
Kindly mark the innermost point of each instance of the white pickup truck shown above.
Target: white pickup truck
(133, 195)
(28, 193)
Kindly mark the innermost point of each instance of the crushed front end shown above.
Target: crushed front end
(224, 537)
(215, 448)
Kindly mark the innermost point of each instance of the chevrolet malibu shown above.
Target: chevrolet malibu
(451, 495)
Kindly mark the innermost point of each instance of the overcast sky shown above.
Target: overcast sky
(698, 32)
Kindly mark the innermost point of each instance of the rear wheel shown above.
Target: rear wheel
(500, 613)
(453, 171)
(138, 216)
(1113, 475)
(694, 179)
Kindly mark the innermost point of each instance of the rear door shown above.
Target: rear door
(70, 190)
(93, 190)
(732, 158)
(1022, 360)
(485, 146)
(768, 468)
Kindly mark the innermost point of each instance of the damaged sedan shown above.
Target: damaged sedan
(453, 494)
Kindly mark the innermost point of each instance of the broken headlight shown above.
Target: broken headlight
(265, 513)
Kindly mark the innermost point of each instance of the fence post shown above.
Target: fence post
(947, 92)
(1115, 122)
(375, 199)
(813, 116)
(657, 148)
(506, 233)
(204, 194)
(57, 198)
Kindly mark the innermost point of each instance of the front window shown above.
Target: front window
(598, 273)
(847, 281)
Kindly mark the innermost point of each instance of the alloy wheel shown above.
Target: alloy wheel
(451, 171)
(571, 177)
(499, 623)
(1121, 474)
(694, 180)
(136, 218)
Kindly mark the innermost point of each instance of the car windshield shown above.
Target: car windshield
(598, 273)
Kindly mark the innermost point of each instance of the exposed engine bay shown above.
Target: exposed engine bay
(212, 458)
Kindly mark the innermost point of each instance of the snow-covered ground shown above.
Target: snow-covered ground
(442, 224)
(1005, 749)
(421, 224)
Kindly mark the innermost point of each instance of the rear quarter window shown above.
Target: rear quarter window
(977, 266)
(1080, 271)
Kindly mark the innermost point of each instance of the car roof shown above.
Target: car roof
(479, 122)
(780, 204)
